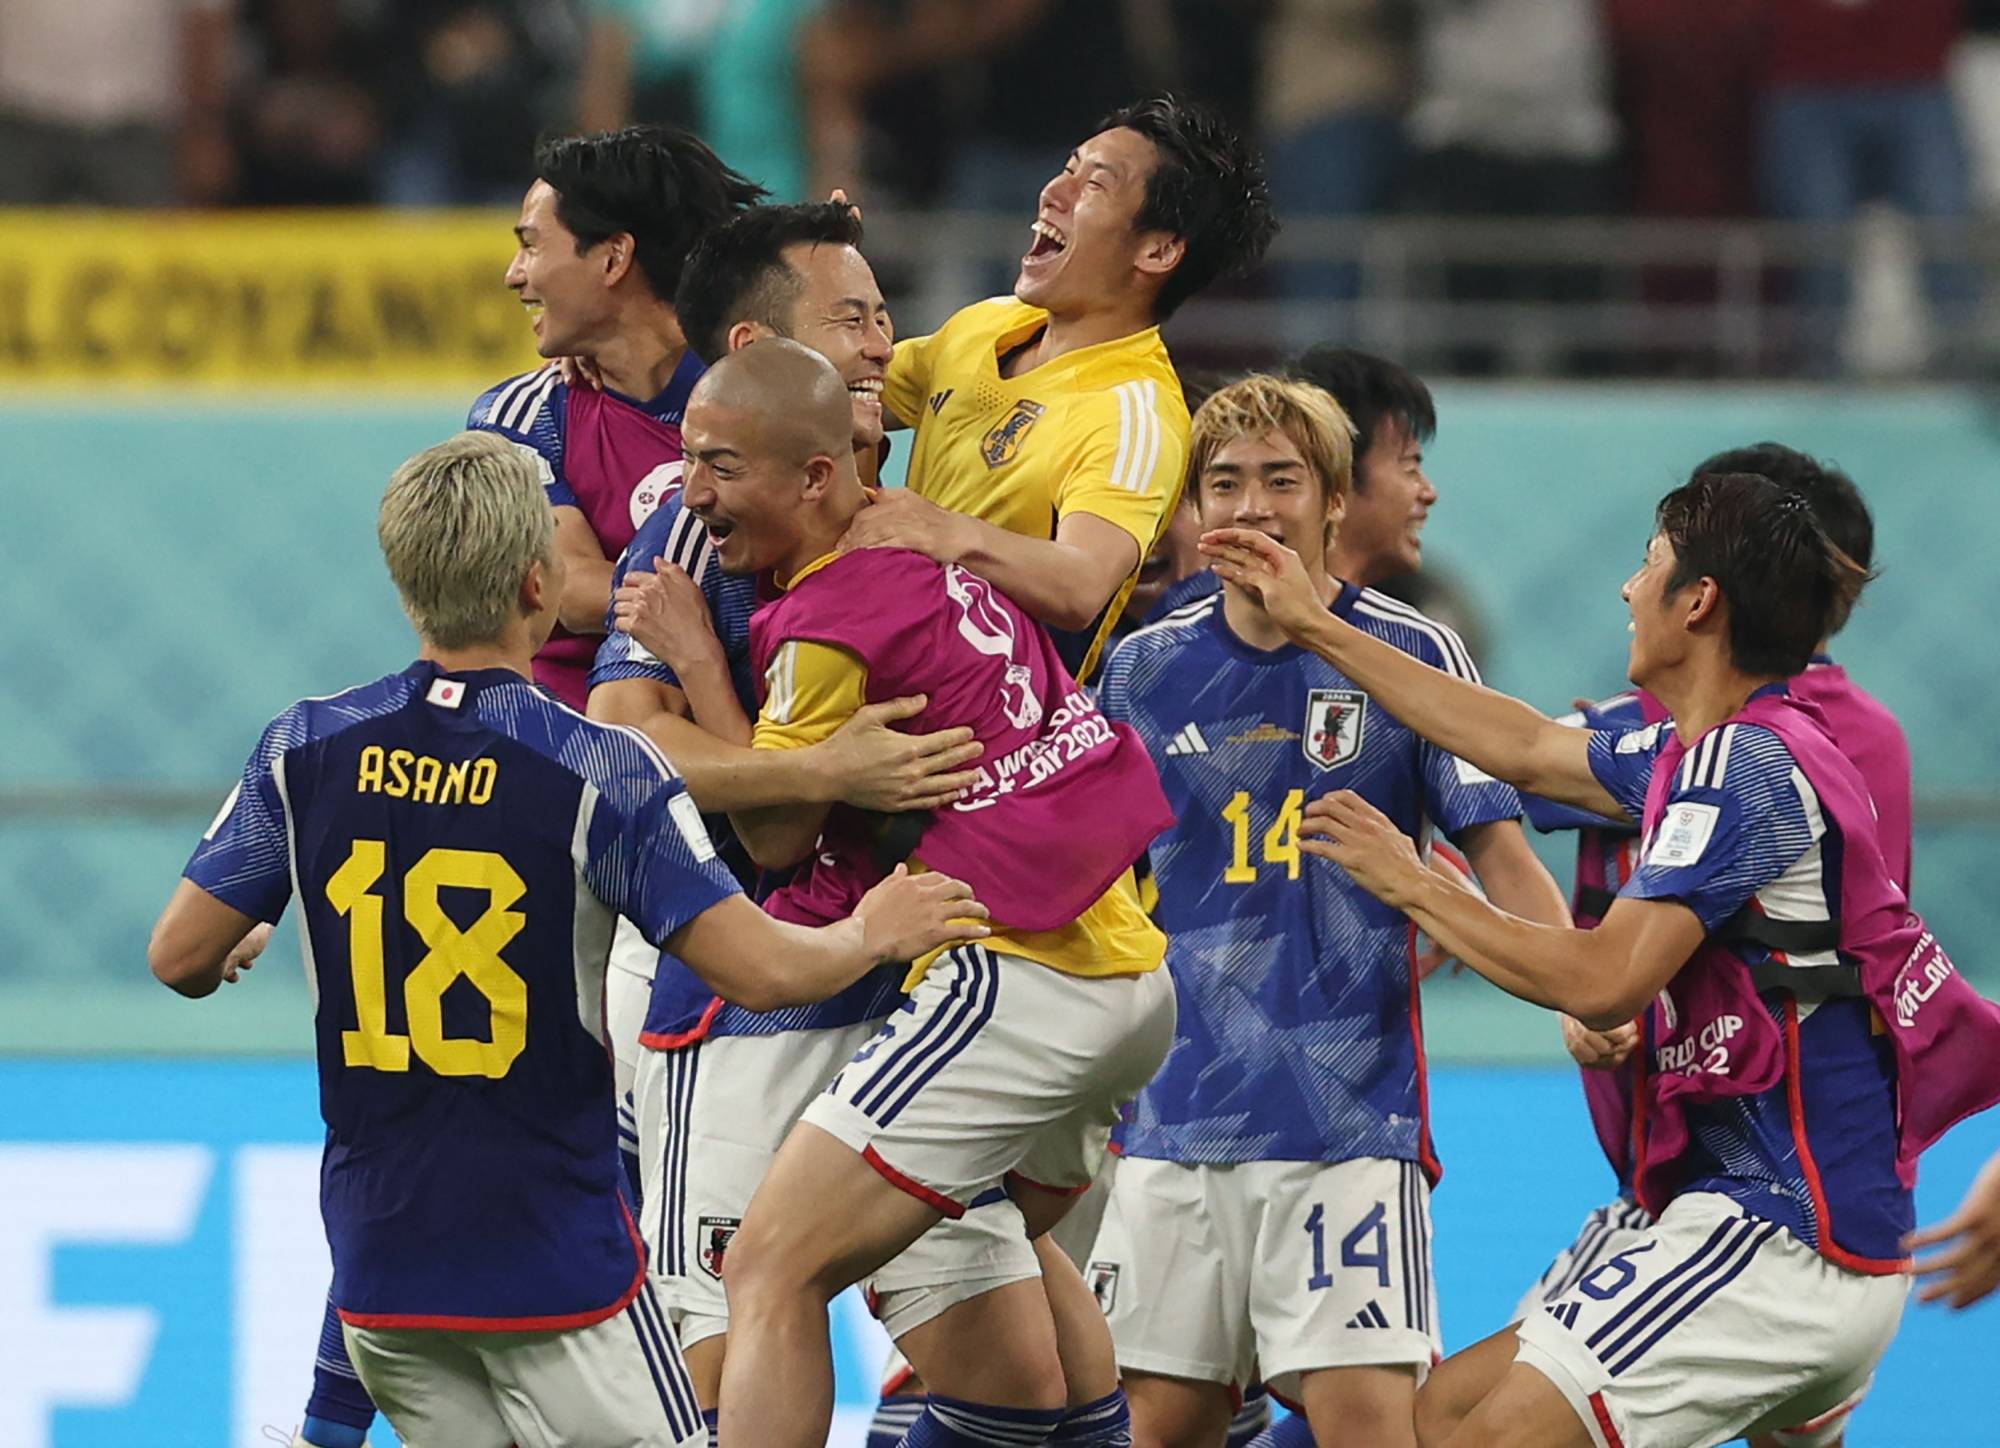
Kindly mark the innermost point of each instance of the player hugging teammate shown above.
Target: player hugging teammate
(903, 1064)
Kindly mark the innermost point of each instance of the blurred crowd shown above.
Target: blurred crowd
(1688, 108)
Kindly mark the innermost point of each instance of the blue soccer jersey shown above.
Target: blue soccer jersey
(1299, 1037)
(1749, 836)
(682, 1008)
(460, 845)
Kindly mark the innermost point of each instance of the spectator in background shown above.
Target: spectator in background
(115, 102)
(726, 69)
(307, 121)
(468, 87)
(1977, 86)
(1513, 118)
(1336, 77)
(1857, 105)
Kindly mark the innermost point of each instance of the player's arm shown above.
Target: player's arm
(1603, 977)
(196, 940)
(666, 613)
(1502, 735)
(237, 880)
(1511, 874)
(810, 690)
(586, 590)
(764, 964)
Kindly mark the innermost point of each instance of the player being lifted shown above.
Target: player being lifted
(1607, 854)
(604, 232)
(460, 844)
(792, 271)
(1271, 1206)
(1001, 1060)
(1804, 1036)
(1051, 438)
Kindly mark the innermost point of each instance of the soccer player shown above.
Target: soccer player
(604, 232)
(1271, 1207)
(1804, 1035)
(1051, 435)
(1607, 855)
(1011, 1060)
(460, 844)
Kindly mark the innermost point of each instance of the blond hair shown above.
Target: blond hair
(1261, 403)
(460, 524)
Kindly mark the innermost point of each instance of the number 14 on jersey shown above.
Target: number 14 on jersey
(1281, 839)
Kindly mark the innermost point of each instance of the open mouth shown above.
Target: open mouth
(718, 528)
(866, 389)
(1049, 242)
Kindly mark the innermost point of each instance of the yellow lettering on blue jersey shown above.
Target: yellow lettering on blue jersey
(423, 779)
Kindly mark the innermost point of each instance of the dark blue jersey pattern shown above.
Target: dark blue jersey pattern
(1743, 831)
(460, 845)
(1298, 1036)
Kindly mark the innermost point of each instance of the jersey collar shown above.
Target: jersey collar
(803, 574)
(671, 401)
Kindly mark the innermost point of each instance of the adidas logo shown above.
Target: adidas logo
(938, 400)
(1369, 1316)
(1188, 741)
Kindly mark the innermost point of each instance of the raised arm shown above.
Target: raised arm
(1507, 738)
(1603, 977)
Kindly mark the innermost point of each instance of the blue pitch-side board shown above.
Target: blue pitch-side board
(162, 1269)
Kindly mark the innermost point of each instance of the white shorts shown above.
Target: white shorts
(1271, 1269)
(1606, 1232)
(712, 1116)
(628, 992)
(1077, 1232)
(1714, 1325)
(995, 1067)
(619, 1383)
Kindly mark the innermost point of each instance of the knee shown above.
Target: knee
(1437, 1418)
(765, 1262)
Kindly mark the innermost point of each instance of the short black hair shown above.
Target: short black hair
(738, 272)
(1785, 580)
(1835, 501)
(1369, 389)
(1209, 190)
(660, 184)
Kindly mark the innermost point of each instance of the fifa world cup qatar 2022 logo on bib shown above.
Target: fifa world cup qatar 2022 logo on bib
(1332, 733)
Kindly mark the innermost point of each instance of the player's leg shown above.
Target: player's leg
(1342, 1296)
(1824, 1430)
(339, 1412)
(1714, 1325)
(1526, 1410)
(429, 1385)
(1252, 1425)
(617, 1383)
(1171, 1274)
(824, 1218)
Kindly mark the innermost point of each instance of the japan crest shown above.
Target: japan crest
(1332, 733)
(713, 1240)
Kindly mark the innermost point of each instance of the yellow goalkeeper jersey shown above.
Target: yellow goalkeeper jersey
(1101, 430)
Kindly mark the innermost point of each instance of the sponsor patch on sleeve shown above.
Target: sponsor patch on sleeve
(687, 819)
(1683, 834)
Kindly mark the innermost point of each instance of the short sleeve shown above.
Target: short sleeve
(1739, 816)
(653, 861)
(1114, 684)
(520, 411)
(675, 534)
(810, 690)
(1550, 816)
(244, 860)
(909, 378)
(1622, 761)
(1131, 458)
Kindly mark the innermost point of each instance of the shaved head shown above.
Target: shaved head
(791, 394)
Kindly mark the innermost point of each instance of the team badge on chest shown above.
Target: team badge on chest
(1332, 733)
(1004, 441)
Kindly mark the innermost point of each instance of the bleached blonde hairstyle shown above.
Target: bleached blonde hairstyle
(1317, 425)
(460, 524)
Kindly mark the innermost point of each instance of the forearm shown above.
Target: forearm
(765, 964)
(1549, 965)
(1512, 877)
(778, 837)
(1507, 738)
(1058, 584)
(586, 594)
(711, 697)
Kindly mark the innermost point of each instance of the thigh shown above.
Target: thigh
(1461, 1382)
(990, 1055)
(430, 1387)
(1343, 1267)
(1178, 1413)
(1171, 1272)
(619, 1383)
(958, 1258)
(1713, 1324)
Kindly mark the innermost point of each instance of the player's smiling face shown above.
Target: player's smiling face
(1392, 498)
(564, 293)
(1261, 480)
(1084, 246)
(1654, 644)
(841, 315)
(744, 492)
